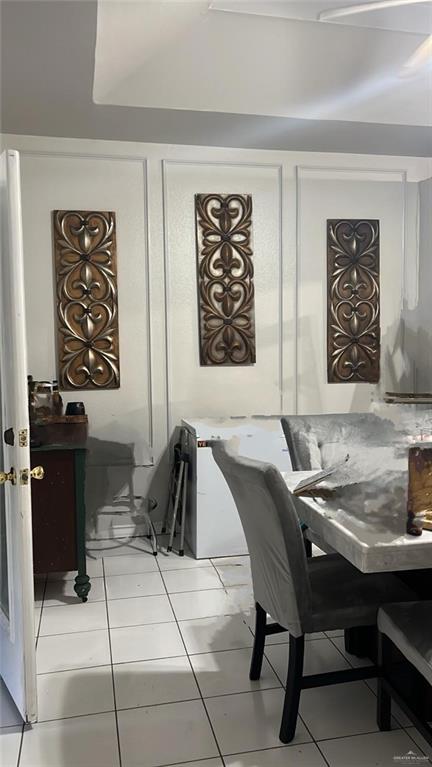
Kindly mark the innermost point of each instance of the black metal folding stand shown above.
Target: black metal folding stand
(178, 491)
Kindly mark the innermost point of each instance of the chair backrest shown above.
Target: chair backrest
(272, 530)
(305, 434)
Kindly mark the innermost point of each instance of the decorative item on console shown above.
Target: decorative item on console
(48, 425)
(225, 279)
(75, 408)
(408, 398)
(419, 507)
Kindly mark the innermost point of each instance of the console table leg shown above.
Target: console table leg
(82, 586)
(82, 581)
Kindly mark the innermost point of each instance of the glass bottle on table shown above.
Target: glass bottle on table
(419, 502)
(57, 402)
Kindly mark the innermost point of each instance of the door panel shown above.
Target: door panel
(17, 657)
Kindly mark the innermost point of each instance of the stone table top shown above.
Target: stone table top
(366, 523)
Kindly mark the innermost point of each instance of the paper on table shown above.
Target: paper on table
(311, 482)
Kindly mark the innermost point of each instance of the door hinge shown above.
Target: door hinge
(23, 438)
(8, 476)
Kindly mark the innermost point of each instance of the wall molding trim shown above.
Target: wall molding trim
(142, 161)
(368, 174)
(278, 167)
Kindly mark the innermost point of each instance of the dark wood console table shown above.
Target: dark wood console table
(58, 510)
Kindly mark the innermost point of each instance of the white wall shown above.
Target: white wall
(424, 356)
(151, 187)
(222, 391)
(327, 194)
(87, 184)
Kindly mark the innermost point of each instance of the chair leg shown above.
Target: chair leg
(308, 546)
(293, 689)
(360, 642)
(259, 642)
(383, 696)
(383, 707)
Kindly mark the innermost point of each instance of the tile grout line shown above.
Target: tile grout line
(171, 657)
(365, 682)
(193, 671)
(212, 562)
(41, 611)
(36, 643)
(194, 761)
(76, 716)
(73, 668)
(416, 744)
(145, 660)
(112, 669)
(90, 631)
(191, 762)
(188, 655)
(281, 747)
(220, 577)
(176, 620)
(246, 691)
(157, 705)
(359, 735)
(20, 745)
(323, 755)
(194, 675)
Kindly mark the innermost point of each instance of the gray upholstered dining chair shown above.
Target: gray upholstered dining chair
(302, 594)
(407, 627)
(304, 453)
(306, 435)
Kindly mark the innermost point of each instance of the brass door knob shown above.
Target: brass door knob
(9, 476)
(37, 473)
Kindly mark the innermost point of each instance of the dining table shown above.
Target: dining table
(364, 523)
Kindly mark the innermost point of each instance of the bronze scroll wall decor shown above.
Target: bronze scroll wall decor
(87, 312)
(353, 324)
(225, 279)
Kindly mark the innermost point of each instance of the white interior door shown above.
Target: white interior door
(17, 642)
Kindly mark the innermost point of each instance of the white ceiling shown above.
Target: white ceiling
(268, 57)
(406, 18)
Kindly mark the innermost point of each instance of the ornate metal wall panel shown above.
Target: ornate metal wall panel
(87, 313)
(225, 279)
(353, 329)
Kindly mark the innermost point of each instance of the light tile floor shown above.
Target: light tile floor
(153, 671)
